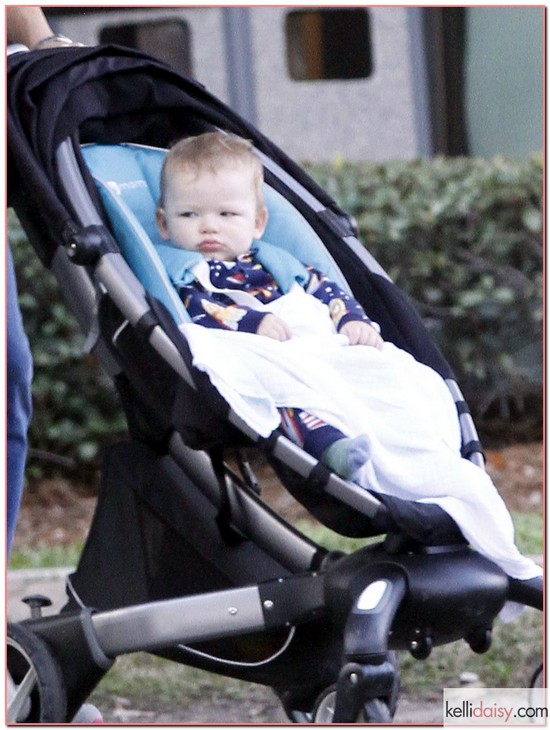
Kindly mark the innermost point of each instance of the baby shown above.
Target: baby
(212, 203)
(212, 208)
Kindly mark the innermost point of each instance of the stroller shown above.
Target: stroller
(184, 559)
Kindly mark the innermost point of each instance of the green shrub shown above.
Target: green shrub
(463, 238)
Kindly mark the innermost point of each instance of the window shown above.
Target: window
(167, 40)
(328, 44)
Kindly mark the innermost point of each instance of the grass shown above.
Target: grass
(148, 679)
(529, 532)
(45, 556)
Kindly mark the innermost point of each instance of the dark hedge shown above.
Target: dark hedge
(464, 238)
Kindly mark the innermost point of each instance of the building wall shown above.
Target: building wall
(207, 41)
(360, 118)
(365, 118)
(384, 115)
(504, 80)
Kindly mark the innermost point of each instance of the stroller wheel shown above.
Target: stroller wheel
(537, 678)
(374, 711)
(536, 685)
(36, 691)
(323, 711)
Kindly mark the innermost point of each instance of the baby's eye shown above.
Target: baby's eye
(228, 213)
(187, 214)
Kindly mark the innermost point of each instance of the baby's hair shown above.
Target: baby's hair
(210, 152)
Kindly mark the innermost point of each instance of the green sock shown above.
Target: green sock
(346, 456)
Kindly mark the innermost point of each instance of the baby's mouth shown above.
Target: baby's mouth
(208, 246)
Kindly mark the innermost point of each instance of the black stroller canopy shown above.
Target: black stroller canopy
(107, 94)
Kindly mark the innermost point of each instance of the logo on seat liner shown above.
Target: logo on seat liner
(120, 188)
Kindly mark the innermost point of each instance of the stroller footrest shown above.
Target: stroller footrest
(527, 592)
(451, 596)
(448, 595)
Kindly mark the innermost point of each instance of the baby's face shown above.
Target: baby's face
(214, 213)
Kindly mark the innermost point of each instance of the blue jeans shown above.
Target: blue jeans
(19, 404)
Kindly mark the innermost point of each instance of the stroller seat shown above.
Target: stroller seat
(128, 179)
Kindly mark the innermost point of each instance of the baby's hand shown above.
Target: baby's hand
(274, 327)
(362, 333)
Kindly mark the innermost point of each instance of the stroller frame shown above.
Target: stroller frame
(347, 613)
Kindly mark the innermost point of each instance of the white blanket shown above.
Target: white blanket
(403, 407)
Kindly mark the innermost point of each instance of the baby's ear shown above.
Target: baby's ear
(261, 222)
(160, 216)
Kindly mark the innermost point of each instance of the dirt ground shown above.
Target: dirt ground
(58, 512)
(260, 707)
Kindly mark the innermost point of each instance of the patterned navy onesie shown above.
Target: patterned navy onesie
(214, 309)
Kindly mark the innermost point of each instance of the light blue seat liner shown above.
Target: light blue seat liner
(128, 180)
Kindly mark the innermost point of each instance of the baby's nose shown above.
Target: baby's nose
(209, 222)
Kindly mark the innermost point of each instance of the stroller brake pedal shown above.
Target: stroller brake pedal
(36, 602)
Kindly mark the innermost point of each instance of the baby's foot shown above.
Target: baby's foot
(346, 456)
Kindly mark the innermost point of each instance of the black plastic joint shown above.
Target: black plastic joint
(86, 245)
(341, 224)
(470, 448)
(357, 683)
(72, 638)
(292, 600)
(147, 323)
